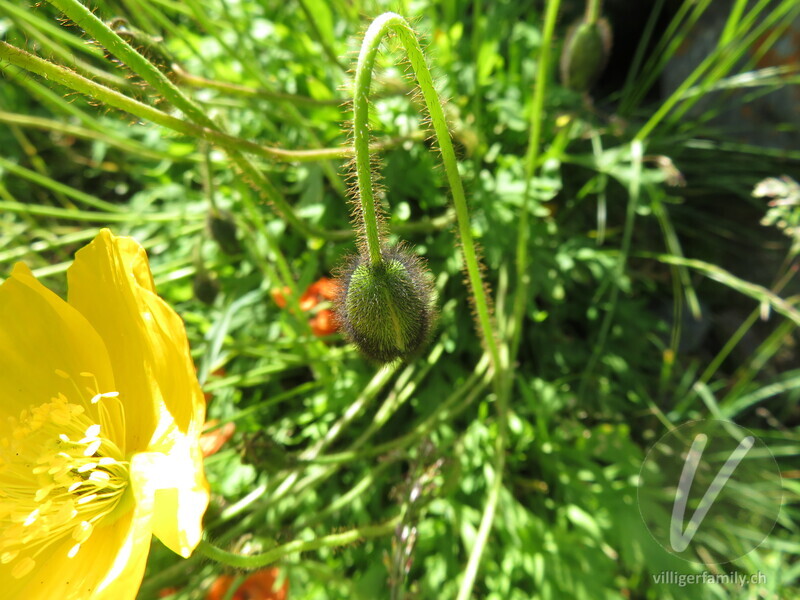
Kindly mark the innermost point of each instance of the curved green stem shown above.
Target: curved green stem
(256, 561)
(361, 135)
(380, 27)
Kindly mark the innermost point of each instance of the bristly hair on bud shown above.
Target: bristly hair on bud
(386, 308)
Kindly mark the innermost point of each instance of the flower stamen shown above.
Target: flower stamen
(61, 476)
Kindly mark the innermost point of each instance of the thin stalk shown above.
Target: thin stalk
(668, 44)
(257, 561)
(520, 299)
(732, 22)
(531, 159)
(757, 292)
(740, 332)
(593, 8)
(717, 64)
(37, 162)
(60, 105)
(236, 89)
(68, 56)
(78, 215)
(451, 407)
(49, 29)
(84, 18)
(326, 47)
(101, 32)
(85, 133)
(724, 60)
(380, 27)
(361, 138)
(60, 188)
(59, 74)
(634, 190)
(641, 47)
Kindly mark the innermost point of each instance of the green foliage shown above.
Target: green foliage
(652, 293)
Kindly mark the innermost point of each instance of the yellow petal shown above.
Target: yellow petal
(111, 285)
(39, 335)
(175, 481)
(109, 565)
(123, 579)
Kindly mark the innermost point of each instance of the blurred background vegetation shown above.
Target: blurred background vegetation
(662, 288)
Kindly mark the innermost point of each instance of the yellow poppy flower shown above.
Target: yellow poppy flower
(99, 424)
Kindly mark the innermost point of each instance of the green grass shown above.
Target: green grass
(623, 304)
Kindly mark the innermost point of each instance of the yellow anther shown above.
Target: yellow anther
(34, 514)
(92, 448)
(98, 475)
(23, 567)
(82, 531)
(73, 551)
(86, 499)
(42, 471)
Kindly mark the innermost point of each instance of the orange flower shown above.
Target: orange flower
(322, 289)
(325, 287)
(279, 295)
(259, 586)
(309, 299)
(211, 442)
(323, 323)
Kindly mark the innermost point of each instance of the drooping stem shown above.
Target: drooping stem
(361, 135)
(380, 27)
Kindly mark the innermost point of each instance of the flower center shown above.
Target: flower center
(60, 476)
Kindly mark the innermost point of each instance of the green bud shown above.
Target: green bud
(205, 287)
(585, 54)
(223, 229)
(386, 309)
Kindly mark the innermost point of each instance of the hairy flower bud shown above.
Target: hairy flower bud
(585, 54)
(385, 309)
(205, 287)
(223, 229)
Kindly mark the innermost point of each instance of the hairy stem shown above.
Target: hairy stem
(101, 32)
(380, 27)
